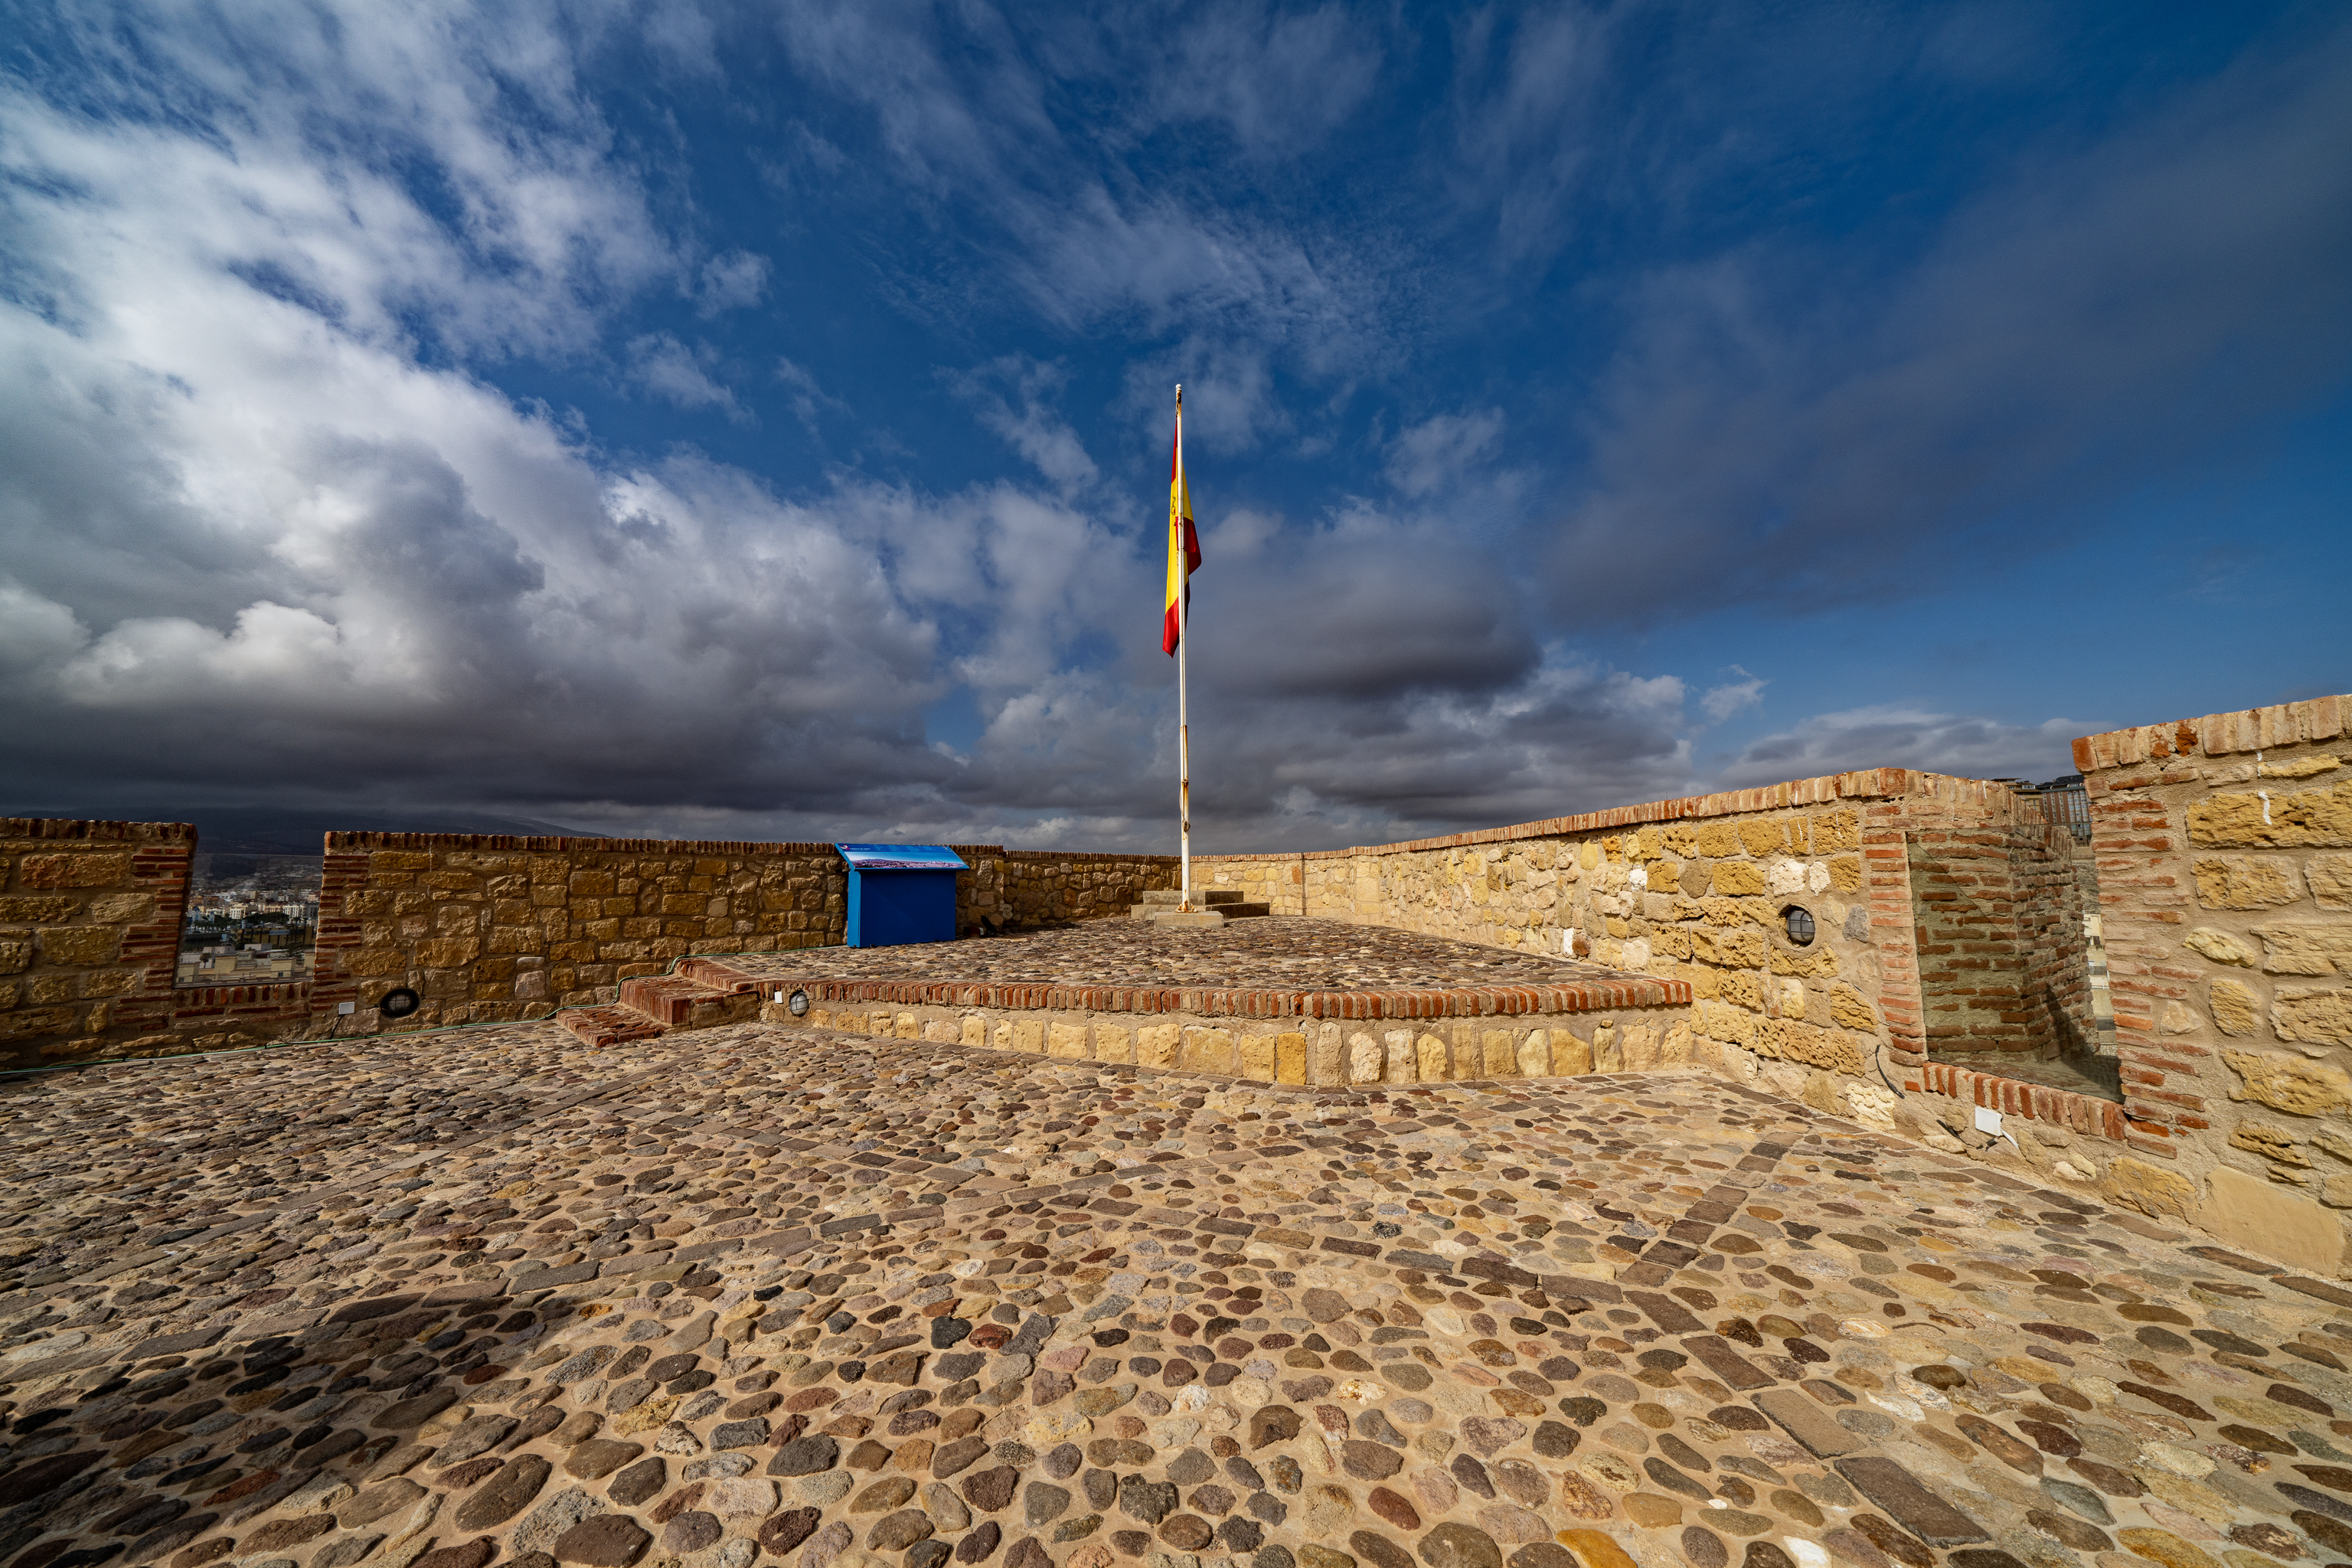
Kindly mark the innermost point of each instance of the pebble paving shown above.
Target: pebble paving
(1287, 952)
(489, 1297)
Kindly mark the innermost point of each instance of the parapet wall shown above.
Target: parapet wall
(1697, 889)
(483, 928)
(2224, 850)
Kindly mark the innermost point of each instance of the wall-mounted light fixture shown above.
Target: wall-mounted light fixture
(1800, 925)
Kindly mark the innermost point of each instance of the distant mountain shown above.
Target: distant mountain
(275, 830)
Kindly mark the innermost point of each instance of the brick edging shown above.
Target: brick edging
(1470, 1002)
(2014, 1096)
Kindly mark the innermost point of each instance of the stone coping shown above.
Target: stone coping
(1476, 1002)
(1290, 967)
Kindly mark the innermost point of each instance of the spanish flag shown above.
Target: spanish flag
(1184, 545)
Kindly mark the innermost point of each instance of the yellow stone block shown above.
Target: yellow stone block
(1848, 1008)
(2306, 949)
(1255, 1057)
(72, 869)
(1429, 1059)
(1501, 1056)
(2219, 946)
(1763, 837)
(1535, 1053)
(1737, 878)
(1403, 1062)
(2247, 1210)
(2330, 876)
(1845, 874)
(2310, 1015)
(1029, 1035)
(2237, 882)
(1208, 1050)
(2314, 817)
(79, 944)
(1717, 839)
(1067, 1040)
(2149, 1189)
(1290, 1058)
(2236, 1010)
(1112, 1044)
(1156, 1044)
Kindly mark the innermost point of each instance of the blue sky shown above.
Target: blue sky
(751, 421)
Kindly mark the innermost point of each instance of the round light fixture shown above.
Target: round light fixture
(1800, 924)
(398, 1002)
(799, 1004)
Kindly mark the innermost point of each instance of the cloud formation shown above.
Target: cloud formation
(423, 404)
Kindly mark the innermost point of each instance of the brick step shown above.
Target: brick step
(677, 1001)
(616, 1026)
(1230, 900)
(717, 974)
(1198, 917)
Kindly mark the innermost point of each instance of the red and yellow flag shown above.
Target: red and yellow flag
(1184, 545)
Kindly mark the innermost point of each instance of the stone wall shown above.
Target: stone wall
(1690, 890)
(487, 929)
(2224, 852)
(90, 924)
(483, 928)
(1025, 888)
(1696, 889)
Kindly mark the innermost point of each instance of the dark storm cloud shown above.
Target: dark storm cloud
(270, 525)
(1807, 428)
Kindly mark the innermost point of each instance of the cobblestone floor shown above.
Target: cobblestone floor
(489, 1297)
(1287, 953)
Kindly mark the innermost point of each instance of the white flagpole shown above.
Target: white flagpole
(1183, 643)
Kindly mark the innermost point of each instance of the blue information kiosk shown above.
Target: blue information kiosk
(901, 893)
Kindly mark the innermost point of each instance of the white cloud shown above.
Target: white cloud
(1731, 697)
(1013, 396)
(1895, 736)
(665, 368)
(1439, 451)
(734, 280)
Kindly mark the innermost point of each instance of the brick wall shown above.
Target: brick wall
(2224, 849)
(1998, 907)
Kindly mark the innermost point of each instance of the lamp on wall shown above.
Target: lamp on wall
(1800, 925)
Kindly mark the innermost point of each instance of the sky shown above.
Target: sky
(752, 421)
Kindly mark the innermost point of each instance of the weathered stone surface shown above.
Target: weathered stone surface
(377, 1501)
(502, 1497)
(2286, 819)
(638, 1483)
(1272, 1424)
(896, 1532)
(2246, 1211)
(2152, 1190)
(607, 1540)
(2313, 1015)
(598, 1458)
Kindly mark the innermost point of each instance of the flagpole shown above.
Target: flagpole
(1183, 643)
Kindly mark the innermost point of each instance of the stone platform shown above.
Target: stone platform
(1279, 1000)
(495, 1296)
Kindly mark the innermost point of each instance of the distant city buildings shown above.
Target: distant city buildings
(251, 921)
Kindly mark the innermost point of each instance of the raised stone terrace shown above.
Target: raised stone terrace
(1267, 999)
(751, 1293)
